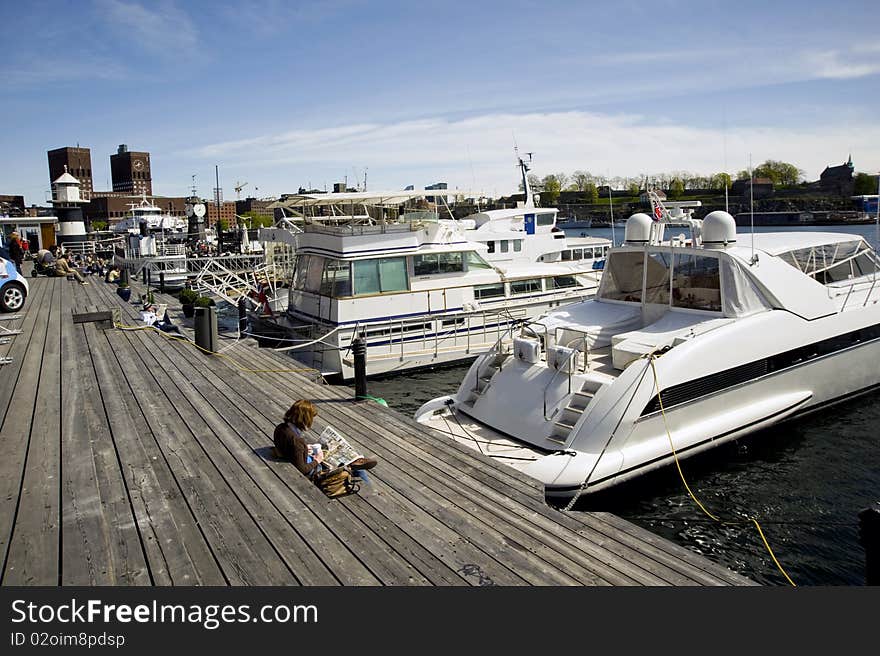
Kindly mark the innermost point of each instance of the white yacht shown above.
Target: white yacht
(146, 217)
(421, 290)
(689, 343)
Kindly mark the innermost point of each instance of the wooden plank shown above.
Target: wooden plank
(279, 485)
(245, 555)
(177, 550)
(441, 535)
(100, 541)
(16, 430)
(97, 315)
(33, 550)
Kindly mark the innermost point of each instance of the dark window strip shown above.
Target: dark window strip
(694, 389)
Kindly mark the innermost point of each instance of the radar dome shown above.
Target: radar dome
(719, 230)
(638, 229)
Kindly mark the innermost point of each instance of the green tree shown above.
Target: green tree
(781, 174)
(633, 189)
(591, 193)
(550, 188)
(721, 180)
(255, 220)
(676, 188)
(864, 184)
(99, 225)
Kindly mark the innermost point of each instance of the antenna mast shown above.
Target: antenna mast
(752, 206)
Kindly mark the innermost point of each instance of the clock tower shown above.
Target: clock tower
(131, 172)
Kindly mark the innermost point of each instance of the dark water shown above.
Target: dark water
(804, 481)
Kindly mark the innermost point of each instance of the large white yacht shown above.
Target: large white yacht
(421, 290)
(689, 343)
(147, 217)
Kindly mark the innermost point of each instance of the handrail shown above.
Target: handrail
(547, 387)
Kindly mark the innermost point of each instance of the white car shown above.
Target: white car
(13, 287)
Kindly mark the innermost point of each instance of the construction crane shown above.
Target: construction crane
(238, 187)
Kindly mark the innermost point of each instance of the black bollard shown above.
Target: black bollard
(869, 536)
(242, 314)
(359, 348)
(144, 275)
(161, 282)
(205, 325)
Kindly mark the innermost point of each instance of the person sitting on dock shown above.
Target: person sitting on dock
(62, 268)
(112, 274)
(291, 445)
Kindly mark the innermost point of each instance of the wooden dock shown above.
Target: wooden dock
(133, 459)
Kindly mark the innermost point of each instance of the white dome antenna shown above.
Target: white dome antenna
(638, 230)
(719, 230)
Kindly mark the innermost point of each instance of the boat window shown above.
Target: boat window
(430, 264)
(517, 245)
(385, 274)
(474, 262)
(566, 255)
(657, 283)
(829, 263)
(488, 291)
(697, 282)
(546, 219)
(561, 282)
(337, 278)
(622, 279)
(525, 286)
(505, 246)
(309, 269)
(577, 254)
(491, 245)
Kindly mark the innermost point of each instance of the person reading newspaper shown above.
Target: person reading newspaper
(331, 449)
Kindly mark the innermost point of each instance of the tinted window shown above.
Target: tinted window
(489, 291)
(525, 286)
(474, 261)
(337, 278)
(697, 283)
(431, 264)
(387, 274)
(561, 282)
(546, 219)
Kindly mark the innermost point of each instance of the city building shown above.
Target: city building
(226, 213)
(78, 162)
(130, 171)
(838, 179)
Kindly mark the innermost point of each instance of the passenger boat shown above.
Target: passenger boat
(421, 290)
(689, 343)
(154, 241)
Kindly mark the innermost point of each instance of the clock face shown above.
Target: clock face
(138, 164)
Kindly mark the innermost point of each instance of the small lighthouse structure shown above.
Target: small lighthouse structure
(68, 206)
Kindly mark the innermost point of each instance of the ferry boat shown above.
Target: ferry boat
(421, 290)
(689, 343)
(153, 240)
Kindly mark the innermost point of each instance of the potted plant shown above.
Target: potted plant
(187, 300)
(204, 301)
(124, 291)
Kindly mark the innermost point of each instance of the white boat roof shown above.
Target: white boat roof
(393, 197)
(512, 212)
(776, 243)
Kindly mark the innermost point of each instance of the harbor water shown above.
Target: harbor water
(804, 481)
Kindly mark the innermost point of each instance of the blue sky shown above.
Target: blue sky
(282, 94)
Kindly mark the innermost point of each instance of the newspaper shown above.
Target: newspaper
(337, 450)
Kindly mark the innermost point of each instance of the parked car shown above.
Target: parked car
(13, 287)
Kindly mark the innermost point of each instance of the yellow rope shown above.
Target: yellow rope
(221, 355)
(754, 521)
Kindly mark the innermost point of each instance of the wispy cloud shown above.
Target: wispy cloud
(162, 28)
(479, 150)
(68, 68)
(270, 17)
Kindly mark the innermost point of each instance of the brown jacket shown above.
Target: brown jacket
(294, 448)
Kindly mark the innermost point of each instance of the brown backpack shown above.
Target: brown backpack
(337, 482)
